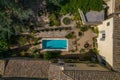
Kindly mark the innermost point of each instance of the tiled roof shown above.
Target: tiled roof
(116, 43)
(43, 70)
(2, 64)
(55, 73)
(27, 68)
(117, 5)
(19, 78)
(92, 75)
(95, 16)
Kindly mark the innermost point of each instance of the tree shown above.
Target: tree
(3, 45)
(51, 54)
(71, 6)
(47, 55)
(11, 15)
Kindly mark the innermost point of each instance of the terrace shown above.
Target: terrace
(80, 39)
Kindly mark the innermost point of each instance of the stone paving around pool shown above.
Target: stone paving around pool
(75, 45)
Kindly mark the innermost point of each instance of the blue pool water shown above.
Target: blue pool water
(54, 44)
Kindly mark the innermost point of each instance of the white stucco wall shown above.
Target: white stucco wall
(105, 47)
(111, 4)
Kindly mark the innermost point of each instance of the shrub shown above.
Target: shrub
(36, 40)
(85, 5)
(3, 48)
(54, 20)
(47, 55)
(3, 45)
(95, 42)
(95, 30)
(40, 13)
(84, 28)
(50, 54)
(37, 24)
(14, 55)
(82, 51)
(66, 21)
(70, 35)
(22, 53)
(51, 23)
(34, 50)
(57, 22)
(22, 41)
(78, 25)
(36, 55)
(95, 51)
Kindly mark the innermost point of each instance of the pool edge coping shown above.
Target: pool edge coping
(55, 39)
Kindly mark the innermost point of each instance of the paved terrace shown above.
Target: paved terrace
(53, 32)
(78, 43)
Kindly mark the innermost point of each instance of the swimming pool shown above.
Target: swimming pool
(54, 44)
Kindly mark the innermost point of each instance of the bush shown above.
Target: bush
(70, 35)
(94, 51)
(51, 23)
(22, 41)
(84, 28)
(82, 51)
(54, 20)
(36, 55)
(3, 48)
(37, 24)
(95, 30)
(40, 13)
(66, 21)
(47, 55)
(3, 45)
(57, 22)
(22, 53)
(77, 16)
(50, 54)
(36, 41)
(85, 5)
(78, 25)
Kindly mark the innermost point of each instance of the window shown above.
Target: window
(103, 35)
(108, 23)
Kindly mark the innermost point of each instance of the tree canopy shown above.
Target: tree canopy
(12, 16)
(72, 6)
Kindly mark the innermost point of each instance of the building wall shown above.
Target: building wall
(105, 46)
(111, 4)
